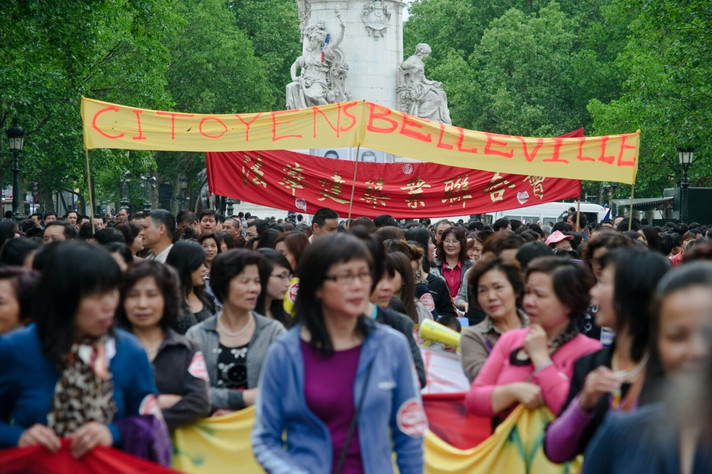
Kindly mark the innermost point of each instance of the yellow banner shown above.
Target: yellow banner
(217, 445)
(362, 123)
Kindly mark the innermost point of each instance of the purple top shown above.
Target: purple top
(329, 393)
(564, 433)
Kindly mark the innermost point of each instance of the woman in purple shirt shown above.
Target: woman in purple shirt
(618, 377)
(340, 386)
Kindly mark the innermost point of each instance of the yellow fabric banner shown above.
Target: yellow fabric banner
(222, 445)
(361, 123)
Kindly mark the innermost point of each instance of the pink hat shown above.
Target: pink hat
(557, 236)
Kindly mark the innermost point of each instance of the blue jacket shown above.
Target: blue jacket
(28, 379)
(646, 440)
(392, 403)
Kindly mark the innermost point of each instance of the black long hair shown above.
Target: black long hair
(314, 266)
(276, 308)
(637, 273)
(73, 270)
(186, 256)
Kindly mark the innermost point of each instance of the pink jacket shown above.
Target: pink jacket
(554, 380)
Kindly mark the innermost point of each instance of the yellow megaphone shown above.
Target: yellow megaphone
(433, 331)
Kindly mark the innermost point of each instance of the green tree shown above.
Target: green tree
(53, 52)
(667, 91)
(213, 69)
(273, 28)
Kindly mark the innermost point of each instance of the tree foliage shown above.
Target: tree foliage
(544, 68)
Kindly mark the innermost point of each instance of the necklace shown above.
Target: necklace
(235, 333)
(625, 376)
(629, 375)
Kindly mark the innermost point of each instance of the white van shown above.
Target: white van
(551, 212)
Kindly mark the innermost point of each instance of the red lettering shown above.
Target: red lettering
(555, 156)
(491, 141)
(442, 145)
(373, 115)
(603, 157)
(96, 116)
(338, 119)
(247, 124)
(173, 116)
(274, 127)
(626, 147)
(138, 120)
(205, 119)
(461, 132)
(413, 133)
(537, 147)
(581, 156)
(348, 107)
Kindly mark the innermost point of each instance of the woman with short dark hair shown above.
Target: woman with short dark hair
(236, 340)
(71, 374)
(533, 366)
(150, 302)
(17, 296)
(371, 404)
(497, 289)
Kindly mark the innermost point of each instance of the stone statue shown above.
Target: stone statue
(303, 12)
(417, 95)
(375, 17)
(323, 70)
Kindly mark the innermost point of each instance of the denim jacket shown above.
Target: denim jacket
(391, 418)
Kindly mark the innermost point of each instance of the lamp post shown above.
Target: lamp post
(125, 183)
(16, 136)
(685, 155)
(183, 180)
(148, 183)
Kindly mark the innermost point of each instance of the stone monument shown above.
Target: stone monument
(353, 50)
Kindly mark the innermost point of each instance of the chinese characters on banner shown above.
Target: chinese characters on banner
(304, 183)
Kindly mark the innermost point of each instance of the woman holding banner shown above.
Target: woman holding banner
(371, 404)
(533, 366)
(618, 377)
(71, 374)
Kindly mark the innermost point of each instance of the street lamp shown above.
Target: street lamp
(16, 136)
(183, 181)
(685, 155)
(125, 183)
(149, 182)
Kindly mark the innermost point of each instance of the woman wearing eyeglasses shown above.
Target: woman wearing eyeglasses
(279, 273)
(340, 386)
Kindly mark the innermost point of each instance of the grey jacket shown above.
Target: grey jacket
(206, 333)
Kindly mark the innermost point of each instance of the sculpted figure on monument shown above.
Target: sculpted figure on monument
(418, 95)
(322, 78)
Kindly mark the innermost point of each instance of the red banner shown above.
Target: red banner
(304, 183)
(36, 459)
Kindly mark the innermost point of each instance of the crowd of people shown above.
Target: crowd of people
(117, 331)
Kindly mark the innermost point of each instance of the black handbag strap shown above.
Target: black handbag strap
(352, 428)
